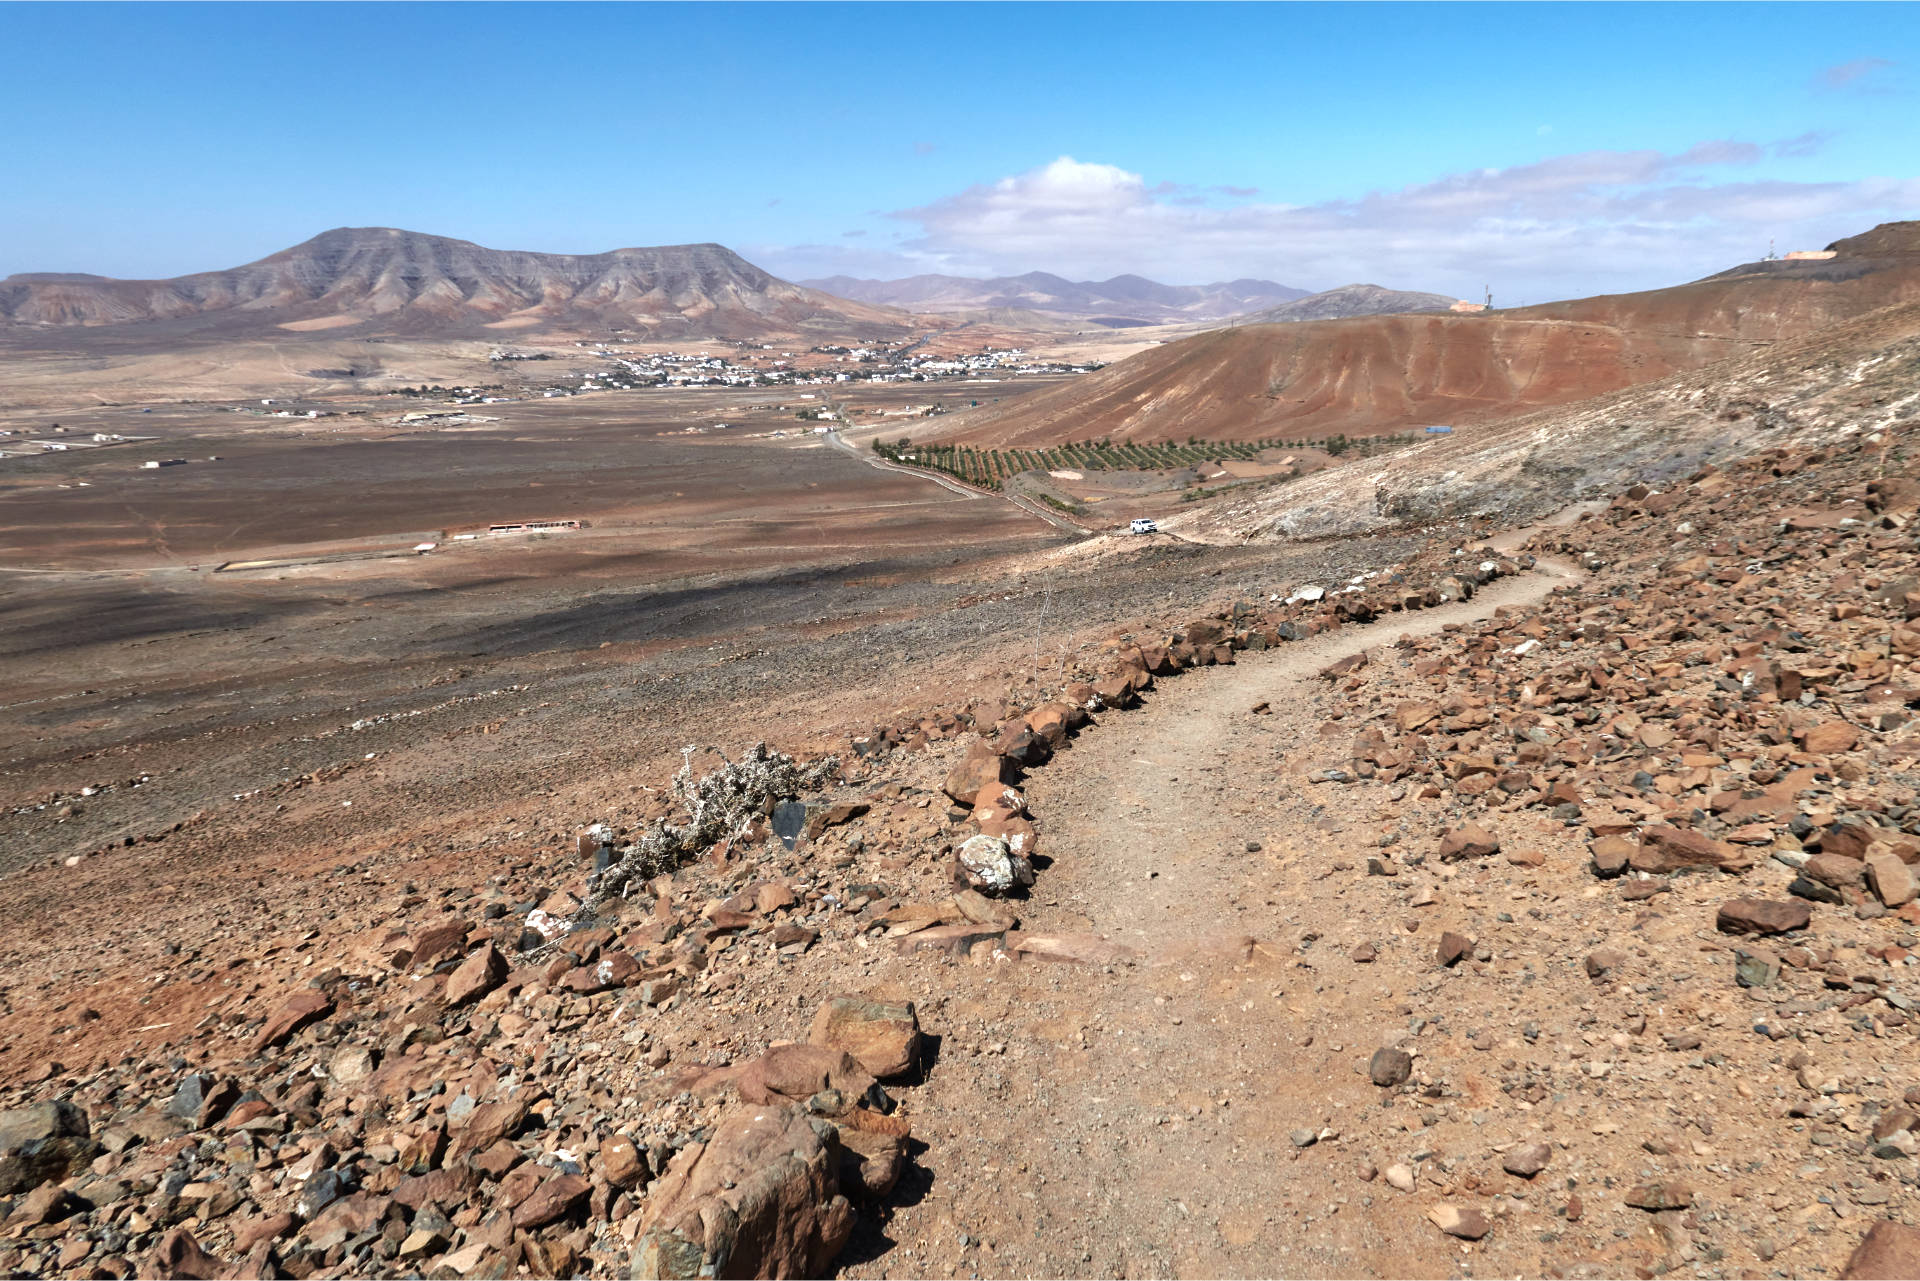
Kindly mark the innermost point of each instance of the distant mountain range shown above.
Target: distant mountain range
(1347, 300)
(407, 282)
(1130, 300)
(361, 280)
(1119, 302)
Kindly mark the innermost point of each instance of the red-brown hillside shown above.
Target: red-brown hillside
(1377, 374)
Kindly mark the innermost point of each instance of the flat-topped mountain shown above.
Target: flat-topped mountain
(409, 282)
(1121, 301)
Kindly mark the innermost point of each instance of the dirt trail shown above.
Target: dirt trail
(1153, 1105)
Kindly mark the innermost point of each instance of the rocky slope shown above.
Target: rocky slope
(1617, 976)
(387, 280)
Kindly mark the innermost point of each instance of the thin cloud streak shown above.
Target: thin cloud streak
(1848, 75)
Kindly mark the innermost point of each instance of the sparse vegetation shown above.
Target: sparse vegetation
(989, 468)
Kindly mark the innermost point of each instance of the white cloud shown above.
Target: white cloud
(1562, 226)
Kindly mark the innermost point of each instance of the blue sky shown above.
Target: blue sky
(1547, 150)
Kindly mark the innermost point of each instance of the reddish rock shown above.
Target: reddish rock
(437, 942)
(795, 1073)
(761, 1198)
(1471, 841)
(1453, 948)
(1460, 1221)
(1891, 879)
(1604, 961)
(1527, 1160)
(1889, 1252)
(981, 768)
(300, 1010)
(622, 1163)
(478, 975)
(489, 1123)
(1762, 916)
(179, 1257)
(1829, 737)
(553, 1200)
(1670, 1195)
(882, 1038)
(1612, 854)
(1673, 849)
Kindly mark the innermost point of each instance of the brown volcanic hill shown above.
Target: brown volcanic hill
(1358, 376)
(1388, 373)
(403, 281)
(1771, 300)
(1848, 380)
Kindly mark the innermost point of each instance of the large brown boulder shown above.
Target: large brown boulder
(42, 1142)
(478, 975)
(1892, 880)
(761, 1198)
(300, 1009)
(1470, 841)
(881, 1037)
(795, 1073)
(1762, 916)
(1054, 721)
(1889, 1252)
(982, 767)
(1674, 849)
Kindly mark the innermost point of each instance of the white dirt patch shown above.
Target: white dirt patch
(320, 322)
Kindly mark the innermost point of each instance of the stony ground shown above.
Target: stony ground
(1542, 913)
